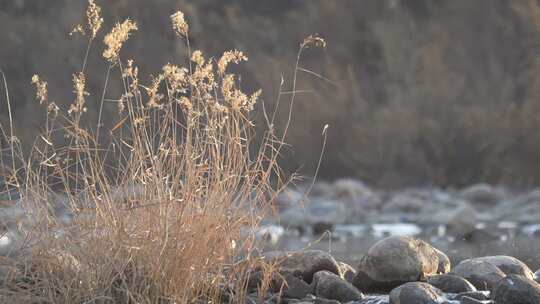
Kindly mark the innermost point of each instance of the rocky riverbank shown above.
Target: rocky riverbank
(344, 242)
(397, 270)
(347, 217)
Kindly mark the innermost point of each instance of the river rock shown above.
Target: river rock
(404, 203)
(317, 214)
(294, 217)
(461, 221)
(305, 263)
(394, 261)
(450, 283)
(291, 286)
(509, 265)
(322, 189)
(288, 198)
(326, 212)
(482, 195)
(536, 276)
(417, 293)
(331, 286)
(482, 275)
(356, 192)
(516, 289)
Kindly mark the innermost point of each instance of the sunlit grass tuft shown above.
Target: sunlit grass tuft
(162, 208)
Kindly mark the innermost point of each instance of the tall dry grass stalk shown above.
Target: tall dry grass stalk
(162, 208)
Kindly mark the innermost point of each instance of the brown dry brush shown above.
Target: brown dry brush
(163, 206)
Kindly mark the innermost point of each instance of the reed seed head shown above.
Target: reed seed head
(228, 57)
(179, 24)
(79, 83)
(116, 38)
(41, 89)
(93, 16)
(198, 58)
(313, 40)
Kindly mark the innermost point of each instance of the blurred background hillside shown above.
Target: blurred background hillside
(419, 92)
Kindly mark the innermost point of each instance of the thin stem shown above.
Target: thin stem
(86, 55)
(103, 101)
(11, 134)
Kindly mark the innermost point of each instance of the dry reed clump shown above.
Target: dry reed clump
(170, 218)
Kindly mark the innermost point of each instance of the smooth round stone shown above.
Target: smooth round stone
(482, 275)
(515, 289)
(393, 261)
(331, 286)
(450, 283)
(417, 293)
(509, 265)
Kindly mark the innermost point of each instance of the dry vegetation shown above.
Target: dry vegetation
(160, 208)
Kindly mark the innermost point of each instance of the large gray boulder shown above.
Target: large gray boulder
(394, 261)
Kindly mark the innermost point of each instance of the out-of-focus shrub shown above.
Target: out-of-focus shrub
(414, 92)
